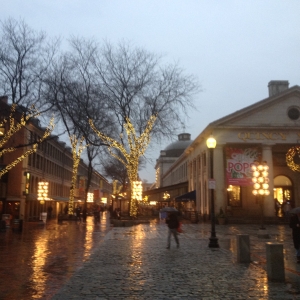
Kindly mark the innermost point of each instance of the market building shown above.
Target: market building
(267, 131)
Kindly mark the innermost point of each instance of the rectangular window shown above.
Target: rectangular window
(234, 195)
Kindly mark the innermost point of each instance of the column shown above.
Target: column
(268, 200)
(219, 174)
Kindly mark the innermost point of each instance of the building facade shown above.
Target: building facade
(51, 163)
(269, 131)
(166, 159)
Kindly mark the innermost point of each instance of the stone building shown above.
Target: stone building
(169, 155)
(268, 130)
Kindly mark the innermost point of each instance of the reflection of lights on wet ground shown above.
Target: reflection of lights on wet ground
(93, 229)
(40, 253)
(88, 243)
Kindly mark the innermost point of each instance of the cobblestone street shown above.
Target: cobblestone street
(88, 261)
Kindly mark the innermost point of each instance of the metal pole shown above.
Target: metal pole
(213, 240)
(261, 203)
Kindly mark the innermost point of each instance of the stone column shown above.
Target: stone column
(269, 200)
(219, 174)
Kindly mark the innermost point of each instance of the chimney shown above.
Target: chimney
(277, 86)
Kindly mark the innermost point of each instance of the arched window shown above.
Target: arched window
(282, 181)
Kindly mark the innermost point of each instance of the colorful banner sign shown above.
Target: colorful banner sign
(238, 164)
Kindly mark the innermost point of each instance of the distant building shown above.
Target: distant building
(169, 155)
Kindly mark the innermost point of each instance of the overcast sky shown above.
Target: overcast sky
(233, 47)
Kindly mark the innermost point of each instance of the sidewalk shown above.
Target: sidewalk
(133, 263)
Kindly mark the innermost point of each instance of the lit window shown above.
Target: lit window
(234, 195)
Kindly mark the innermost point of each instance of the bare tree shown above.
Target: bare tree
(113, 168)
(13, 123)
(73, 91)
(25, 58)
(137, 85)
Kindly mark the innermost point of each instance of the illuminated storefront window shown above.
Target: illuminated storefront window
(234, 195)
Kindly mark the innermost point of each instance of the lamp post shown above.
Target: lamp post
(260, 185)
(213, 240)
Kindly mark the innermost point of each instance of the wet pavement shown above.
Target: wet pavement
(88, 261)
(36, 262)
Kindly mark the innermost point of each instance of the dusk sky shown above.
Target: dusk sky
(233, 47)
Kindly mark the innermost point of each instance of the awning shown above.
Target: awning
(191, 196)
(13, 199)
(60, 199)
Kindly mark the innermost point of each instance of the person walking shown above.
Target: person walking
(277, 206)
(49, 212)
(295, 225)
(286, 206)
(173, 224)
(78, 213)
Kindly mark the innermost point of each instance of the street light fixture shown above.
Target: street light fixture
(166, 196)
(260, 185)
(213, 240)
(42, 193)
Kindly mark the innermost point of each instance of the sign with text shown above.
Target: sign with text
(211, 184)
(238, 164)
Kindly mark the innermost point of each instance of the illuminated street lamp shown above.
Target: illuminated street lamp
(260, 181)
(213, 240)
(137, 190)
(166, 196)
(42, 193)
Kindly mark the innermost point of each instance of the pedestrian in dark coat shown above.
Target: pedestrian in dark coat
(295, 225)
(173, 224)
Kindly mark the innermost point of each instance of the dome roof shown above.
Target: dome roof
(175, 149)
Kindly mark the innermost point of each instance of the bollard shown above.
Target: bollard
(243, 248)
(275, 261)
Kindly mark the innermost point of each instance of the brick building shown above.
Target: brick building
(52, 162)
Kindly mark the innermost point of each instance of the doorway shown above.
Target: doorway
(283, 192)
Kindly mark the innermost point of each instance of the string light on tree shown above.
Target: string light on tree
(77, 148)
(15, 125)
(34, 148)
(137, 147)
